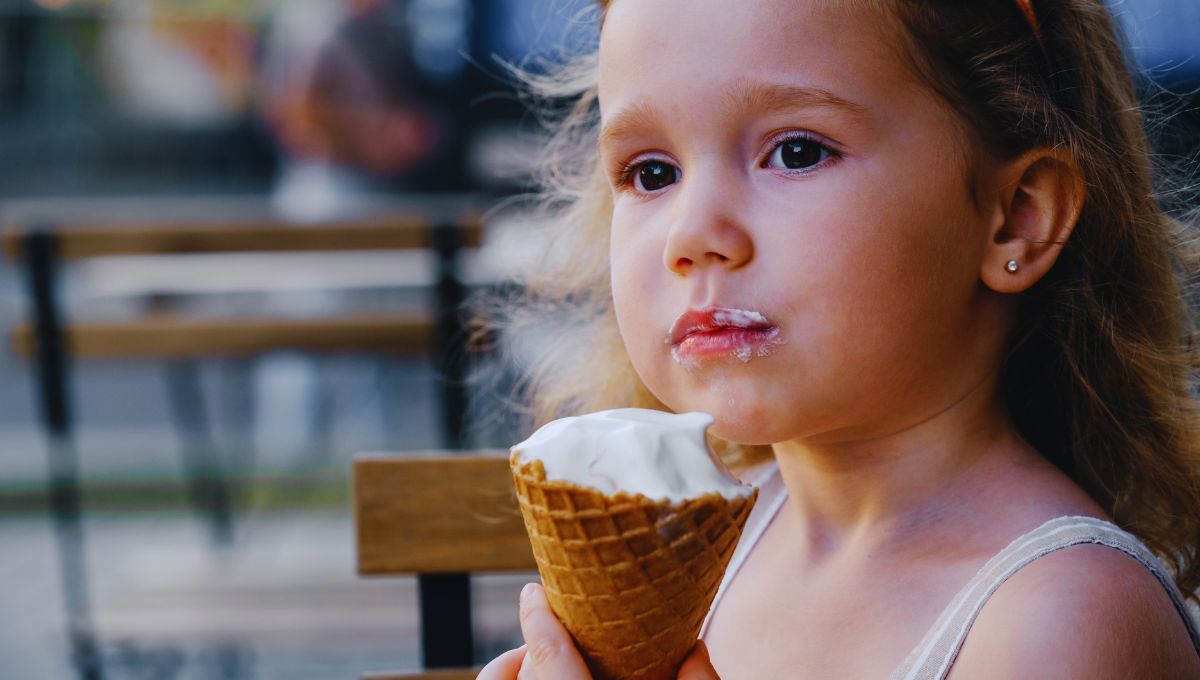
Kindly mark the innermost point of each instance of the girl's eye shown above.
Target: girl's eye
(653, 175)
(798, 153)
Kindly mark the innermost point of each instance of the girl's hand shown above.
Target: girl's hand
(697, 666)
(549, 653)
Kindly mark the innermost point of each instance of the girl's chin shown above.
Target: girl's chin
(741, 412)
(757, 425)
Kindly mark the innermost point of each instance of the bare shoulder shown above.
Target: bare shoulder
(1087, 611)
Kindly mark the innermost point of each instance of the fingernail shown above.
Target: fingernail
(526, 592)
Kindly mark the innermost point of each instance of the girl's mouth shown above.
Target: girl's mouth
(716, 332)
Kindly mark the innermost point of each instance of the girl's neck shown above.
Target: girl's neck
(866, 491)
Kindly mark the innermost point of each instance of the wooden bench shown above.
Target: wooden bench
(42, 245)
(173, 337)
(440, 517)
(42, 242)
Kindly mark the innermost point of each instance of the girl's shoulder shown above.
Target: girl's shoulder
(1087, 610)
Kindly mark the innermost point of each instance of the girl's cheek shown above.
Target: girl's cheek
(634, 300)
(630, 254)
(621, 280)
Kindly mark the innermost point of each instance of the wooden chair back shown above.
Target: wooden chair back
(172, 337)
(437, 514)
(79, 240)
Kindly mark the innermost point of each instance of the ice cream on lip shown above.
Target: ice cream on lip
(700, 335)
(715, 318)
(662, 456)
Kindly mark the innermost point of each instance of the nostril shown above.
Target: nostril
(683, 262)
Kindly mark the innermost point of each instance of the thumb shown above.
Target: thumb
(697, 665)
(550, 652)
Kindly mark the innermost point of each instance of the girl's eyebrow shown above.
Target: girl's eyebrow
(776, 98)
(625, 122)
(766, 98)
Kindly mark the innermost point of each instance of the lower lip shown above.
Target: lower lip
(735, 342)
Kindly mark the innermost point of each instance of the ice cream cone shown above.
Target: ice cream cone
(631, 578)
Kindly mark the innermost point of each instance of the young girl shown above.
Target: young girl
(912, 246)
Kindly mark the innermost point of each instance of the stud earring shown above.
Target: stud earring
(1012, 266)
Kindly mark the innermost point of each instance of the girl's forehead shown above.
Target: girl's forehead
(652, 48)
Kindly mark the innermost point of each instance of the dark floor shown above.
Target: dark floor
(282, 602)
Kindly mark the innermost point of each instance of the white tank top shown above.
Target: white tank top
(933, 657)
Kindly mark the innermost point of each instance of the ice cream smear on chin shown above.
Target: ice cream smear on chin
(662, 456)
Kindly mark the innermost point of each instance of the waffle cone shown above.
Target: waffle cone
(630, 578)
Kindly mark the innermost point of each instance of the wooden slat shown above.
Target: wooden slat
(447, 674)
(438, 513)
(179, 338)
(76, 241)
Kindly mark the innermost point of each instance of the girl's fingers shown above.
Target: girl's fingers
(697, 665)
(504, 667)
(550, 654)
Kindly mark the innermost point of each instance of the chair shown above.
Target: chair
(440, 517)
(41, 244)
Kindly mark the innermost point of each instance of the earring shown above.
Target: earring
(1012, 266)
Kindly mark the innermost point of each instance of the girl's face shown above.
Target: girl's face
(795, 248)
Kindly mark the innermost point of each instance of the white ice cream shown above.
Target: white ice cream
(659, 455)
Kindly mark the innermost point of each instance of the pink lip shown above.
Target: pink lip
(721, 331)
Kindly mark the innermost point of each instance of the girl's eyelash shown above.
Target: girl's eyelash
(795, 135)
(624, 175)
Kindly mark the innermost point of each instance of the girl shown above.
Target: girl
(912, 246)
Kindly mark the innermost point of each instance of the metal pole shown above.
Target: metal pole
(451, 335)
(447, 638)
(207, 482)
(41, 257)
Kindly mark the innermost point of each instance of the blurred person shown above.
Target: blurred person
(163, 67)
(344, 101)
(353, 120)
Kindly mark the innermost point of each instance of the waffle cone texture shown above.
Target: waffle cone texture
(630, 578)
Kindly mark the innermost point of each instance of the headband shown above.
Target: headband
(1026, 7)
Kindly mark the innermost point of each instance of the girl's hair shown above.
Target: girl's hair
(1099, 372)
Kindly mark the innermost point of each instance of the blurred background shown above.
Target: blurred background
(217, 386)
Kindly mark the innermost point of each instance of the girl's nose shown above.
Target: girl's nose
(705, 232)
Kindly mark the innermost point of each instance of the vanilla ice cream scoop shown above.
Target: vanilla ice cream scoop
(662, 456)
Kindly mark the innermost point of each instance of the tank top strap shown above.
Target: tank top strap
(771, 496)
(933, 657)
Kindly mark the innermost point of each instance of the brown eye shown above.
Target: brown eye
(798, 153)
(655, 175)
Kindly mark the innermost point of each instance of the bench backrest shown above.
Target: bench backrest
(439, 516)
(438, 513)
(170, 337)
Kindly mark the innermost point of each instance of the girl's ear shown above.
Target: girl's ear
(1040, 196)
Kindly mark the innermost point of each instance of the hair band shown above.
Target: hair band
(1026, 7)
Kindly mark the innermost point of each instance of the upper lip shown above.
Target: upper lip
(713, 319)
